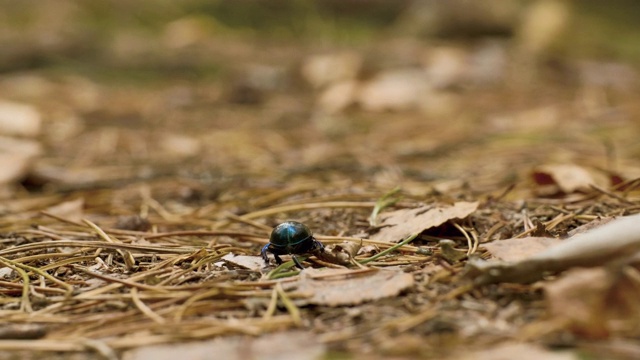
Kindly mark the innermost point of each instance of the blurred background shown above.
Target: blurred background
(423, 94)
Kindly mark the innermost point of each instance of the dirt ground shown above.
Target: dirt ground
(149, 149)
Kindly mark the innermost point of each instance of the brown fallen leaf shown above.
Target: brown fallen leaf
(245, 261)
(399, 224)
(579, 298)
(338, 287)
(626, 171)
(592, 303)
(618, 239)
(298, 345)
(341, 253)
(568, 177)
(519, 248)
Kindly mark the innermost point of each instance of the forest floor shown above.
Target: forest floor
(141, 187)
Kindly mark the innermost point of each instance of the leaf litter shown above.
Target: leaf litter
(617, 240)
(132, 225)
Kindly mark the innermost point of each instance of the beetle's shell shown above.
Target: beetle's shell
(291, 237)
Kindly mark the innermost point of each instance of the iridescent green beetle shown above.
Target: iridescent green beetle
(291, 237)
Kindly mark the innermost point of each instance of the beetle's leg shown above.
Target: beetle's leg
(264, 253)
(295, 260)
(278, 260)
(317, 246)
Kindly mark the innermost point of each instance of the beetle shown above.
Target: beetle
(291, 237)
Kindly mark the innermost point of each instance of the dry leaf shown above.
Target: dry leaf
(298, 345)
(568, 177)
(618, 239)
(336, 287)
(596, 302)
(580, 298)
(340, 253)
(244, 261)
(402, 223)
(518, 249)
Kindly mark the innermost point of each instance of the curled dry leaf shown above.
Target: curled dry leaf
(368, 250)
(340, 253)
(618, 239)
(399, 224)
(338, 287)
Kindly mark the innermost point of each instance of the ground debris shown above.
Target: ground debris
(399, 224)
(337, 287)
(616, 240)
(149, 150)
